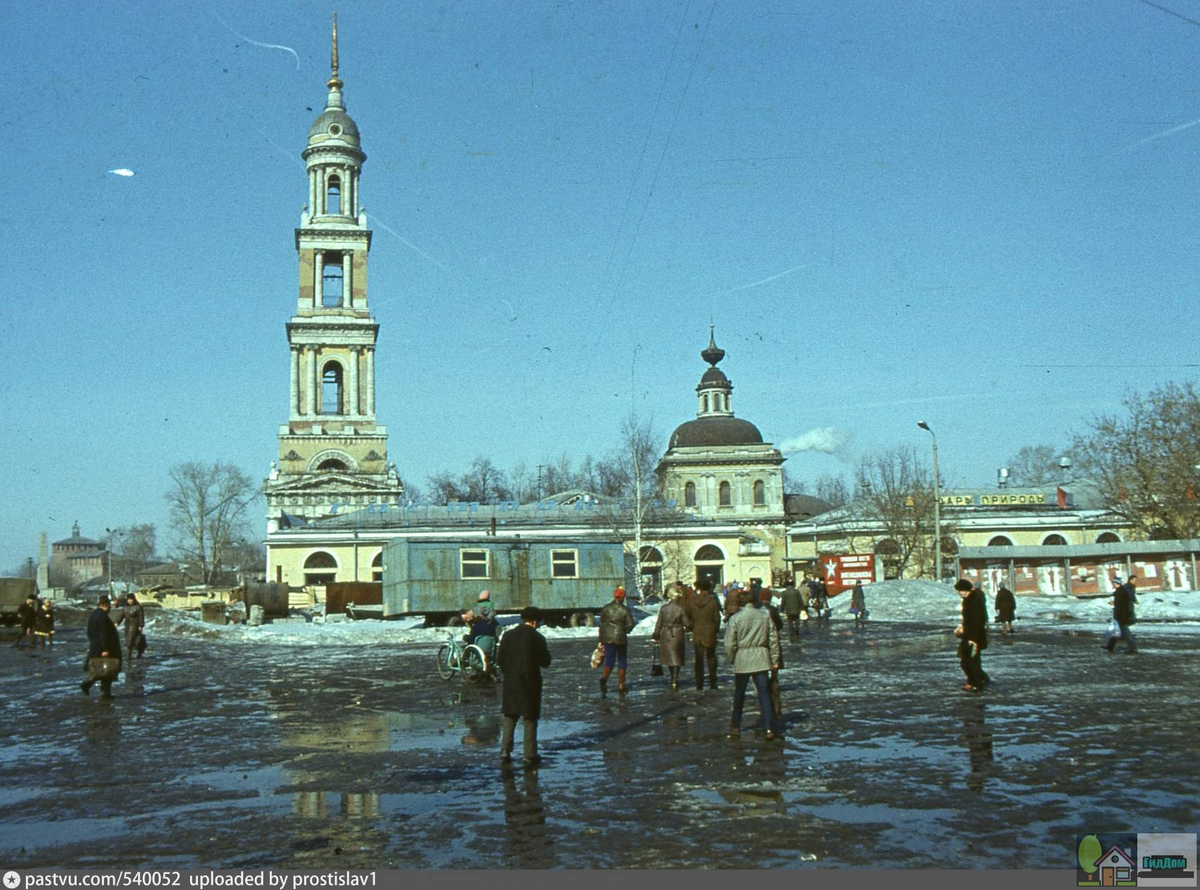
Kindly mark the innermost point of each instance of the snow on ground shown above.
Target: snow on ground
(888, 601)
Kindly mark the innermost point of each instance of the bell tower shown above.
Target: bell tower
(332, 452)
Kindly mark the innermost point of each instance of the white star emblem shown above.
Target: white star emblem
(12, 880)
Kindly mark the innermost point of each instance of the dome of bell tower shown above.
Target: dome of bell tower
(334, 128)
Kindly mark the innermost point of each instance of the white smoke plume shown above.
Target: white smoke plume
(826, 439)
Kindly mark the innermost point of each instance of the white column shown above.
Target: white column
(353, 186)
(319, 272)
(352, 407)
(312, 193)
(347, 297)
(312, 381)
(294, 381)
(371, 381)
(322, 191)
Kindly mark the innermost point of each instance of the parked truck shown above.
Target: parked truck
(569, 580)
(13, 592)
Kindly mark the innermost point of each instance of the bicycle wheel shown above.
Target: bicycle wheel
(474, 664)
(445, 671)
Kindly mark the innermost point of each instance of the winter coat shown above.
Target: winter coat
(523, 654)
(27, 612)
(858, 599)
(1123, 600)
(974, 620)
(44, 621)
(733, 602)
(1006, 604)
(616, 621)
(704, 615)
(102, 636)
(669, 634)
(134, 617)
(752, 642)
(789, 601)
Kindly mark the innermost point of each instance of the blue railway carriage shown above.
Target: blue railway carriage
(569, 580)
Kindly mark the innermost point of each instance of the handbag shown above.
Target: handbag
(598, 656)
(656, 667)
(103, 668)
(141, 644)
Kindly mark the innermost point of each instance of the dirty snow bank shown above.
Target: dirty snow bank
(928, 601)
(314, 630)
(887, 601)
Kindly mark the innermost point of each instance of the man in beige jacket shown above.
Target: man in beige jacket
(752, 648)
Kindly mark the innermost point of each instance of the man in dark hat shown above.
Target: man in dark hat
(1123, 599)
(103, 642)
(27, 614)
(972, 635)
(523, 654)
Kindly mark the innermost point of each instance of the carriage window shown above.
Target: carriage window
(474, 563)
(564, 563)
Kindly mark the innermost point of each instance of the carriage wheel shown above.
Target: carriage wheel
(445, 671)
(474, 664)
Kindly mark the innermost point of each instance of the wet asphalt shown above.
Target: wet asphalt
(216, 754)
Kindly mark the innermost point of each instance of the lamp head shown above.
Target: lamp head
(923, 425)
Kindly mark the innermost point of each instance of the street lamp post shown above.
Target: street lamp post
(937, 506)
(112, 541)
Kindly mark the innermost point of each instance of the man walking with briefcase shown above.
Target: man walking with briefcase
(103, 643)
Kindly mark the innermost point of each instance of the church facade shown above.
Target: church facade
(332, 449)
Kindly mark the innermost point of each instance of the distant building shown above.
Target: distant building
(172, 575)
(1054, 515)
(77, 560)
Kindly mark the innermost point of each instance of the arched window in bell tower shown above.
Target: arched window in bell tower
(333, 195)
(331, 389)
(332, 283)
(689, 494)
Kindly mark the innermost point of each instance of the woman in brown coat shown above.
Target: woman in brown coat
(669, 634)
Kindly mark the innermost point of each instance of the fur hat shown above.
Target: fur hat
(963, 584)
(531, 613)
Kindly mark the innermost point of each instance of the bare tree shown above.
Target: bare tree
(833, 490)
(131, 548)
(484, 482)
(1147, 462)
(1034, 465)
(896, 494)
(208, 506)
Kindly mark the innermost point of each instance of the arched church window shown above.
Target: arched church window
(709, 553)
(689, 494)
(760, 493)
(704, 403)
(331, 389)
(331, 281)
(320, 568)
(333, 196)
(333, 465)
(724, 495)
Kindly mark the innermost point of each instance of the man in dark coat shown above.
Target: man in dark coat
(1006, 609)
(523, 654)
(972, 634)
(103, 642)
(616, 621)
(27, 613)
(858, 604)
(1123, 599)
(790, 603)
(704, 615)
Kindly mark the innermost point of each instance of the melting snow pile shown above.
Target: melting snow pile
(887, 601)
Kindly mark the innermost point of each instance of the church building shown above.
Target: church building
(332, 450)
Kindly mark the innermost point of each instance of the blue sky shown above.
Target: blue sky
(983, 215)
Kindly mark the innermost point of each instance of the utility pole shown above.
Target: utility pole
(937, 507)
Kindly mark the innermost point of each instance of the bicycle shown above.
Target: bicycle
(470, 660)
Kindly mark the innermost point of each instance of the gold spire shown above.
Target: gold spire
(334, 82)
